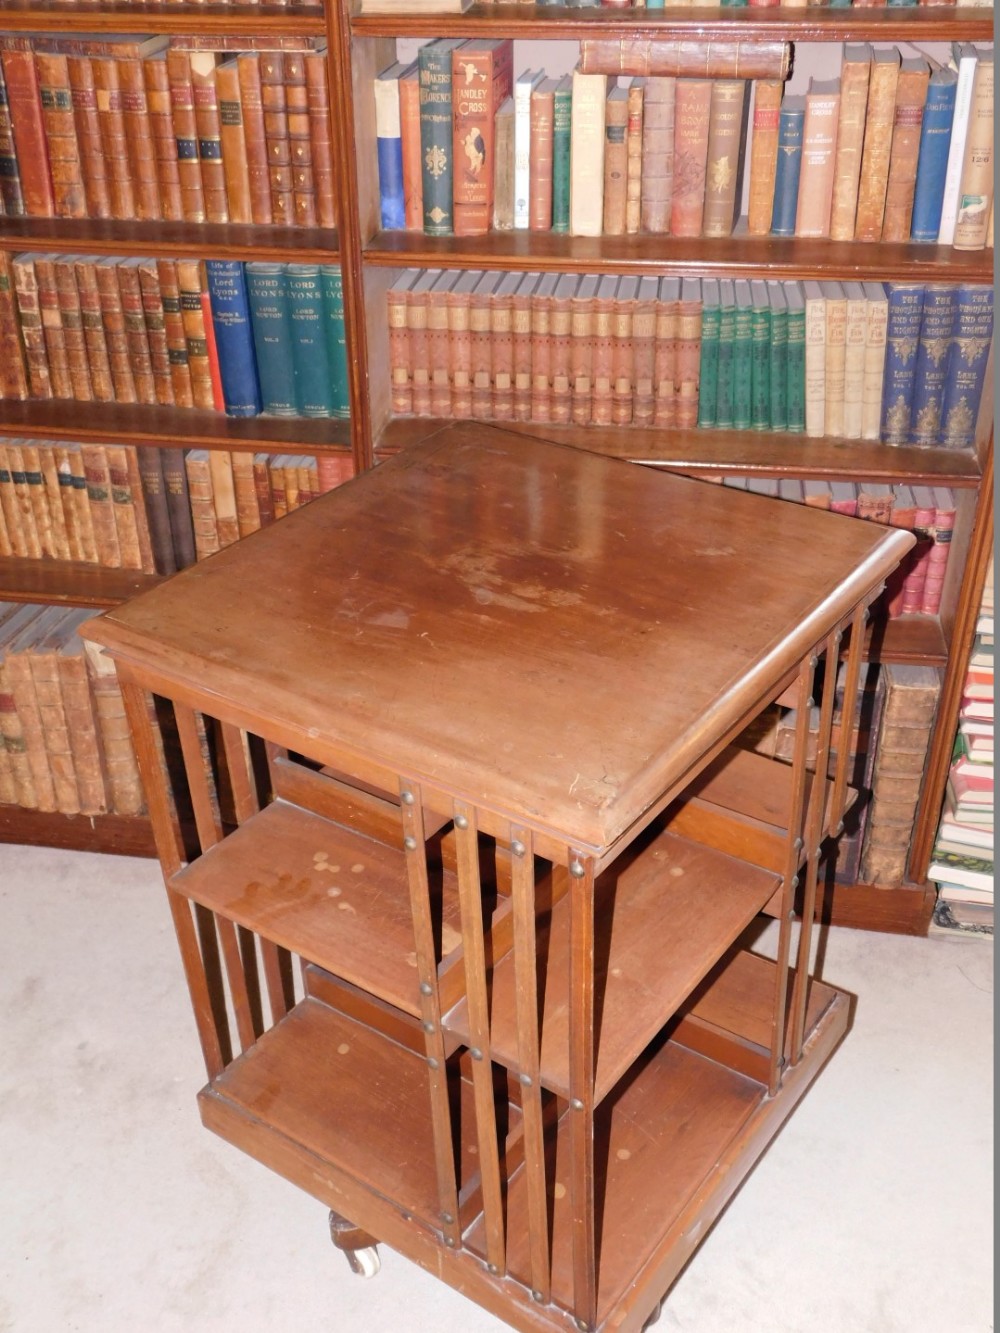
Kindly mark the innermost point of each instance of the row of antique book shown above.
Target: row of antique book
(64, 736)
(147, 509)
(180, 129)
(917, 585)
(397, 7)
(887, 151)
(904, 363)
(215, 334)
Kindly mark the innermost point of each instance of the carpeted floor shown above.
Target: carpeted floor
(871, 1213)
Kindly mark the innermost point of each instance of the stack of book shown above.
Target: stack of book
(904, 363)
(64, 737)
(214, 334)
(892, 150)
(185, 129)
(962, 862)
(148, 509)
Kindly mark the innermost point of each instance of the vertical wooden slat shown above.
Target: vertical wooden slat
(214, 1042)
(430, 1008)
(470, 894)
(206, 815)
(849, 712)
(237, 981)
(581, 1089)
(793, 859)
(528, 1050)
(245, 806)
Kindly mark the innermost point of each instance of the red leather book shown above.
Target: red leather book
(248, 66)
(279, 149)
(320, 134)
(13, 370)
(141, 144)
(209, 127)
(482, 77)
(114, 136)
(87, 119)
(69, 196)
(300, 140)
(212, 349)
(55, 338)
(161, 125)
(692, 105)
(25, 107)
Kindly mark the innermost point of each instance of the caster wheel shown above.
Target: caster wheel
(366, 1262)
(358, 1246)
(654, 1315)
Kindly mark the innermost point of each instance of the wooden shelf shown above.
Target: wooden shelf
(139, 17)
(737, 452)
(68, 583)
(66, 419)
(739, 256)
(216, 240)
(814, 24)
(119, 835)
(668, 907)
(909, 639)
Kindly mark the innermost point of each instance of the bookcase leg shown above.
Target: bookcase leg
(581, 1089)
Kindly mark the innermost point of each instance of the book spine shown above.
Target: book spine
(876, 152)
(400, 374)
(751, 59)
(44, 664)
(141, 144)
(622, 361)
(687, 361)
(98, 362)
(173, 326)
(481, 80)
(11, 193)
(309, 346)
(562, 119)
(186, 135)
(53, 495)
(521, 335)
(542, 146)
(72, 326)
(204, 523)
(586, 154)
(855, 336)
(503, 168)
(778, 367)
(270, 318)
(815, 359)
(156, 331)
(212, 348)
(615, 166)
(32, 333)
(209, 130)
(975, 191)
(13, 369)
(481, 345)
(30, 468)
(258, 168)
(725, 374)
(196, 343)
(389, 151)
(763, 155)
(906, 305)
(692, 106)
(657, 109)
(937, 559)
(15, 744)
(932, 162)
(816, 173)
(304, 209)
(874, 372)
(235, 162)
(439, 358)
(956, 148)
(742, 367)
(321, 136)
(154, 499)
(24, 510)
(245, 491)
(418, 352)
(95, 466)
(161, 127)
(178, 506)
(541, 358)
(56, 97)
(140, 357)
(262, 485)
(9, 503)
(279, 146)
(234, 337)
(726, 134)
(967, 361)
(413, 183)
(786, 178)
(633, 156)
(220, 467)
(643, 362)
(434, 63)
(581, 359)
(81, 504)
(760, 369)
(25, 109)
(135, 551)
(795, 370)
(522, 151)
(665, 364)
(936, 329)
(123, 783)
(17, 671)
(835, 366)
(332, 284)
(911, 94)
(708, 389)
(82, 730)
(114, 137)
(854, 80)
(502, 354)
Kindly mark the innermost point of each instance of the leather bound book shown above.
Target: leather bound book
(92, 320)
(87, 120)
(80, 712)
(582, 348)
(25, 109)
(541, 154)
(77, 472)
(835, 299)
(417, 299)
(141, 144)
(135, 329)
(189, 290)
(279, 148)
(299, 139)
(320, 134)
(665, 356)
(173, 324)
(24, 526)
(276, 485)
(186, 134)
(126, 501)
(123, 784)
(586, 158)
(55, 338)
(819, 147)
(659, 109)
(727, 128)
(877, 146)
(688, 353)
(409, 126)
(72, 327)
(252, 106)
(911, 96)
(44, 663)
(245, 490)
(633, 155)
(644, 352)
(95, 466)
(615, 161)
(855, 73)
(501, 346)
(208, 126)
(481, 348)
(115, 337)
(220, 467)
(262, 483)
(157, 514)
(114, 137)
(11, 541)
(69, 197)
(13, 369)
(161, 127)
(11, 197)
(438, 343)
(460, 342)
(178, 506)
(19, 680)
(482, 75)
(400, 370)
(54, 498)
(763, 155)
(975, 194)
(560, 352)
(30, 319)
(204, 523)
(64, 483)
(156, 331)
(692, 105)
(11, 726)
(751, 59)
(503, 166)
(521, 336)
(602, 356)
(937, 556)
(622, 352)
(541, 348)
(26, 458)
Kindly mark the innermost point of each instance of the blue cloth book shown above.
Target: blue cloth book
(267, 289)
(906, 307)
(970, 350)
(932, 161)
(389, 145)
(936, 328)
(227, 292)
(786, 176)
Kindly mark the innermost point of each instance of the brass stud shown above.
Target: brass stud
(410, 843)
(427, 1027)
(518, 848)
(524, 1080)
(426, 988)
(447, 1217)
(434, 1064)
(537, 1296)
(461, 821)
(406, 797)
(475, 1052)
(576, 869)
(576, 1104)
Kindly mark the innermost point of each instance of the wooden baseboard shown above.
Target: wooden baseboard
(903, 910)
(121, 835)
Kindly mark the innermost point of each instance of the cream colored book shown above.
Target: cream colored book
(586, 180)
(835, 358)
(815, 359)
(855, 335)
(875, 338)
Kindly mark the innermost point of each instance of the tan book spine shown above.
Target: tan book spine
(763, 155)
(815, 380)
(95, 464)
(541, 356)
(300, 140)
(114, 137)
(124, 786)
(293, 497)
(665, 363)
(835, 363)
(279, 148)
(501, 353)
(26, 458)
(581, 332)
(276, 475)
(819, 147)
(173, 324)
(44, 665)
(81, 503)
(602, 366)
(91, 317)
(540, 154)
(320, 133)
(726, 136)
(235, 162)
(209, 129)
(688, 362)
(82, 726)
(13, 367)
(220, 467)
(258, 167)
(644, 354)
(693, 101)
(658, 134)
(64, 549)
(560, 353)
(186, 134)
(16, 506)
(975, 194)
(15, 746)
(6, 545)
(32, 332)
(633, 156)
(87, 119)
(586, 182)
(622, 358)
(481, 344)
(400, 373)
(854, 78)
(156, 331)
(911, 95)
(69, 196)
(161, 126)
(419, 363)
(203, 519)
(116, 339)
(141, 145)
(855, 338)
(55, 337)
(753, 58)
(135, 330)
(190, 289)
(877, 147)
(64, 483)
(245, 488)
(21, 684)
(460, 350)
(615, 162)
(72, 327)
(413, 180)
(438, 349)
(521, 335)
(131, 527)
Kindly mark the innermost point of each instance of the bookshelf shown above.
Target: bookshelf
(359, 46)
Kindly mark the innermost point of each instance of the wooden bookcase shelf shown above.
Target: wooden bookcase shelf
(296, 245)
(68, 583)
(117, 835)
(139, 17)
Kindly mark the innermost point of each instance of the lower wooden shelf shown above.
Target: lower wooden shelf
(120, 835)
(69, 583)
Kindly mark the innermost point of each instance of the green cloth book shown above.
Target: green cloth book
(708, 373)
(313, 387)
(562, 108)
(760, 357)
(795, 365)
(778, 352)
(436, 149)
(727, 338)
(336, 340)
(743, 356)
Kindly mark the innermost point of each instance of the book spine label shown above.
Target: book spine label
(967, 361)
(932, 162)
(234, 337)
(902, 339)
